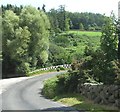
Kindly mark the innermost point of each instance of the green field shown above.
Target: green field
(87, 33)
(83, 39)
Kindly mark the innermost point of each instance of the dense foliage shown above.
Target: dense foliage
(103, 65)
(62, 20)
(25, 40)
(68, 46)
(97, 66)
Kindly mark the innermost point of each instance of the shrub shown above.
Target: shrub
(50, 87)
(23, 68)
(61, 68)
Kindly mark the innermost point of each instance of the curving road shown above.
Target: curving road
(26, 95)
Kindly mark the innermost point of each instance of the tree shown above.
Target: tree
(53, 17)
(18, 49)
(58, 55)
(43, 8)
(62, 17)
(25, 40)
(10, 23)
(105, 65)
(81, 27)
(38, 25)
(67, 24)
(109, 40)
(13, 8)
(118, 32)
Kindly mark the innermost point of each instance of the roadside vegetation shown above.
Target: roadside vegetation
(81, 103)
(99, 65)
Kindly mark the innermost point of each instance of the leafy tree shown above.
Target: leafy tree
(67, 24)
(105, 66)
(13, 8)
(118, 32)
(43, 8)
(109, 40)
(58, 19)
(62, 17)
(58, 55)
(25, 40)
(53, 17)
(38, 25)
(10, 23)
(18, 48)
(81, 27)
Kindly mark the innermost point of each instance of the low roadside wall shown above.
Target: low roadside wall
(101, 94)
(54, 67)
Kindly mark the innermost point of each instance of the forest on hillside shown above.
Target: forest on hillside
(64, 20)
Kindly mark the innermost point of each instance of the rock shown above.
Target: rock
(97, 100)
(117, 103)
(111, 99)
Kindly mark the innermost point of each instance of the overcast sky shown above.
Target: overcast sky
(95, 6)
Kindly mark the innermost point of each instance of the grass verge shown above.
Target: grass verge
(40, 72)
(81, 103)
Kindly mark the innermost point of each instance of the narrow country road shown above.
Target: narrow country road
(26, 95)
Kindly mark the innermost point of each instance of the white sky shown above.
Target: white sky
(95, 6)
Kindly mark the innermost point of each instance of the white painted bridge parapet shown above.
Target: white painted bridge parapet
(53, 68)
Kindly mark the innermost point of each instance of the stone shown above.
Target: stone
(111, 99)
(97, 100)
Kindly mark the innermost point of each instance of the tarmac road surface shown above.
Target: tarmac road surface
(26, 95)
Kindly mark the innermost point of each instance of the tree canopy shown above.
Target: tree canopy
(25, 39)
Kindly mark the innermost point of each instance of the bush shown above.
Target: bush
(61, 68)
(50, 87)
(62, 84)
(23, 68)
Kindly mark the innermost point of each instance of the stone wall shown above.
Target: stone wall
(101, 94)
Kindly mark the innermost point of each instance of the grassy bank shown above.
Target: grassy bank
(61, 89)
(40, 72)
(81, 103)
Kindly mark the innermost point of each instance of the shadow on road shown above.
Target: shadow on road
(63, 109)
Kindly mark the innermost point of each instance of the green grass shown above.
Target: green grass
(87, 33)
(40, 72)
(81, 103)
(83, 39)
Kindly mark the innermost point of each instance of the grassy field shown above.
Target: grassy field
(81, 103)
(87, 33)
(83, 39)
